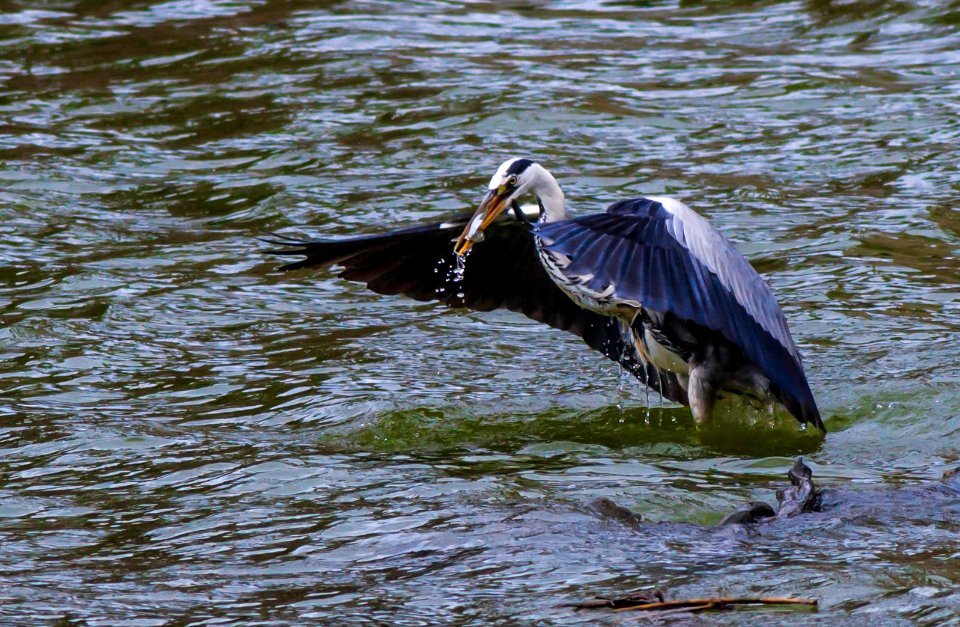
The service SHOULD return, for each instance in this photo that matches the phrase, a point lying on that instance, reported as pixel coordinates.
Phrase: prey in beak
(492, 205)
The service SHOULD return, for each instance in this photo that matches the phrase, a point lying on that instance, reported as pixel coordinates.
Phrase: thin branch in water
(688, 605)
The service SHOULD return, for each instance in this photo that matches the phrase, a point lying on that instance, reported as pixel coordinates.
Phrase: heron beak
(492, 205)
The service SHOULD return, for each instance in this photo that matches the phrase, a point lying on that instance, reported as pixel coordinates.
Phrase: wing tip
(811, 415)
(293, 248)
(806, 412)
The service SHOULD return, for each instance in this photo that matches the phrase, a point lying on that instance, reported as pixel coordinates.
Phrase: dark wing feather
(648, 263)
(502, 272)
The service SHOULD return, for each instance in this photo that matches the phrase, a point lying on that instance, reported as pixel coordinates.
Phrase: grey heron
(649, 283)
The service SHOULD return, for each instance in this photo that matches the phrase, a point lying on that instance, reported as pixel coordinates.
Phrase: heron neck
(550, 197)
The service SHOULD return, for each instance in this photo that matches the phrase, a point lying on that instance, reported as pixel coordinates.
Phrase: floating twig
(646, 604)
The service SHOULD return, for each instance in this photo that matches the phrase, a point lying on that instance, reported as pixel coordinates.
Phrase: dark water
(187, 436)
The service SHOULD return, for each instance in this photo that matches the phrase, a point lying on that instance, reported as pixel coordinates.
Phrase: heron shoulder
(682, 227)
(711, 248)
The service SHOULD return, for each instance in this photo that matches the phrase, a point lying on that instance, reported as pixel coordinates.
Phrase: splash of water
(453, 275)
(460, 267)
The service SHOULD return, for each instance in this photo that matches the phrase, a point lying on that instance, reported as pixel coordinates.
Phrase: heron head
(512, 179)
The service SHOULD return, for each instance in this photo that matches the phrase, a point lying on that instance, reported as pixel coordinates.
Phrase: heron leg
(701, 392)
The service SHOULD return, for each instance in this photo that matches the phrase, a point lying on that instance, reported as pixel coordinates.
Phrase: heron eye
(512, 181)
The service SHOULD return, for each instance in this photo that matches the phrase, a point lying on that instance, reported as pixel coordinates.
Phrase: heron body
(649, 283)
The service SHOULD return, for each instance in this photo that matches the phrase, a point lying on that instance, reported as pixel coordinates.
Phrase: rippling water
(188, 435)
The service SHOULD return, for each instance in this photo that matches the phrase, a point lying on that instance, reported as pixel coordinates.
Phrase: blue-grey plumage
(693, 305)
(650, 284)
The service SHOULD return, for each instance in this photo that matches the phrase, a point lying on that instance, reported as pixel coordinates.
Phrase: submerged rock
(608, 509)
(750, 513)
(800, 498)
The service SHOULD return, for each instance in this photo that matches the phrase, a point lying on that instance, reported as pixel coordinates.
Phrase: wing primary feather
(680, 264)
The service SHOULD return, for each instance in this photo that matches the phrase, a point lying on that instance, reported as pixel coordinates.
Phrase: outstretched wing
(658, 253)
(502, 272)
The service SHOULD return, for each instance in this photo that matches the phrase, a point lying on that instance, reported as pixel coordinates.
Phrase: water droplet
(454, 276)
(460, 267)
(620, 372)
